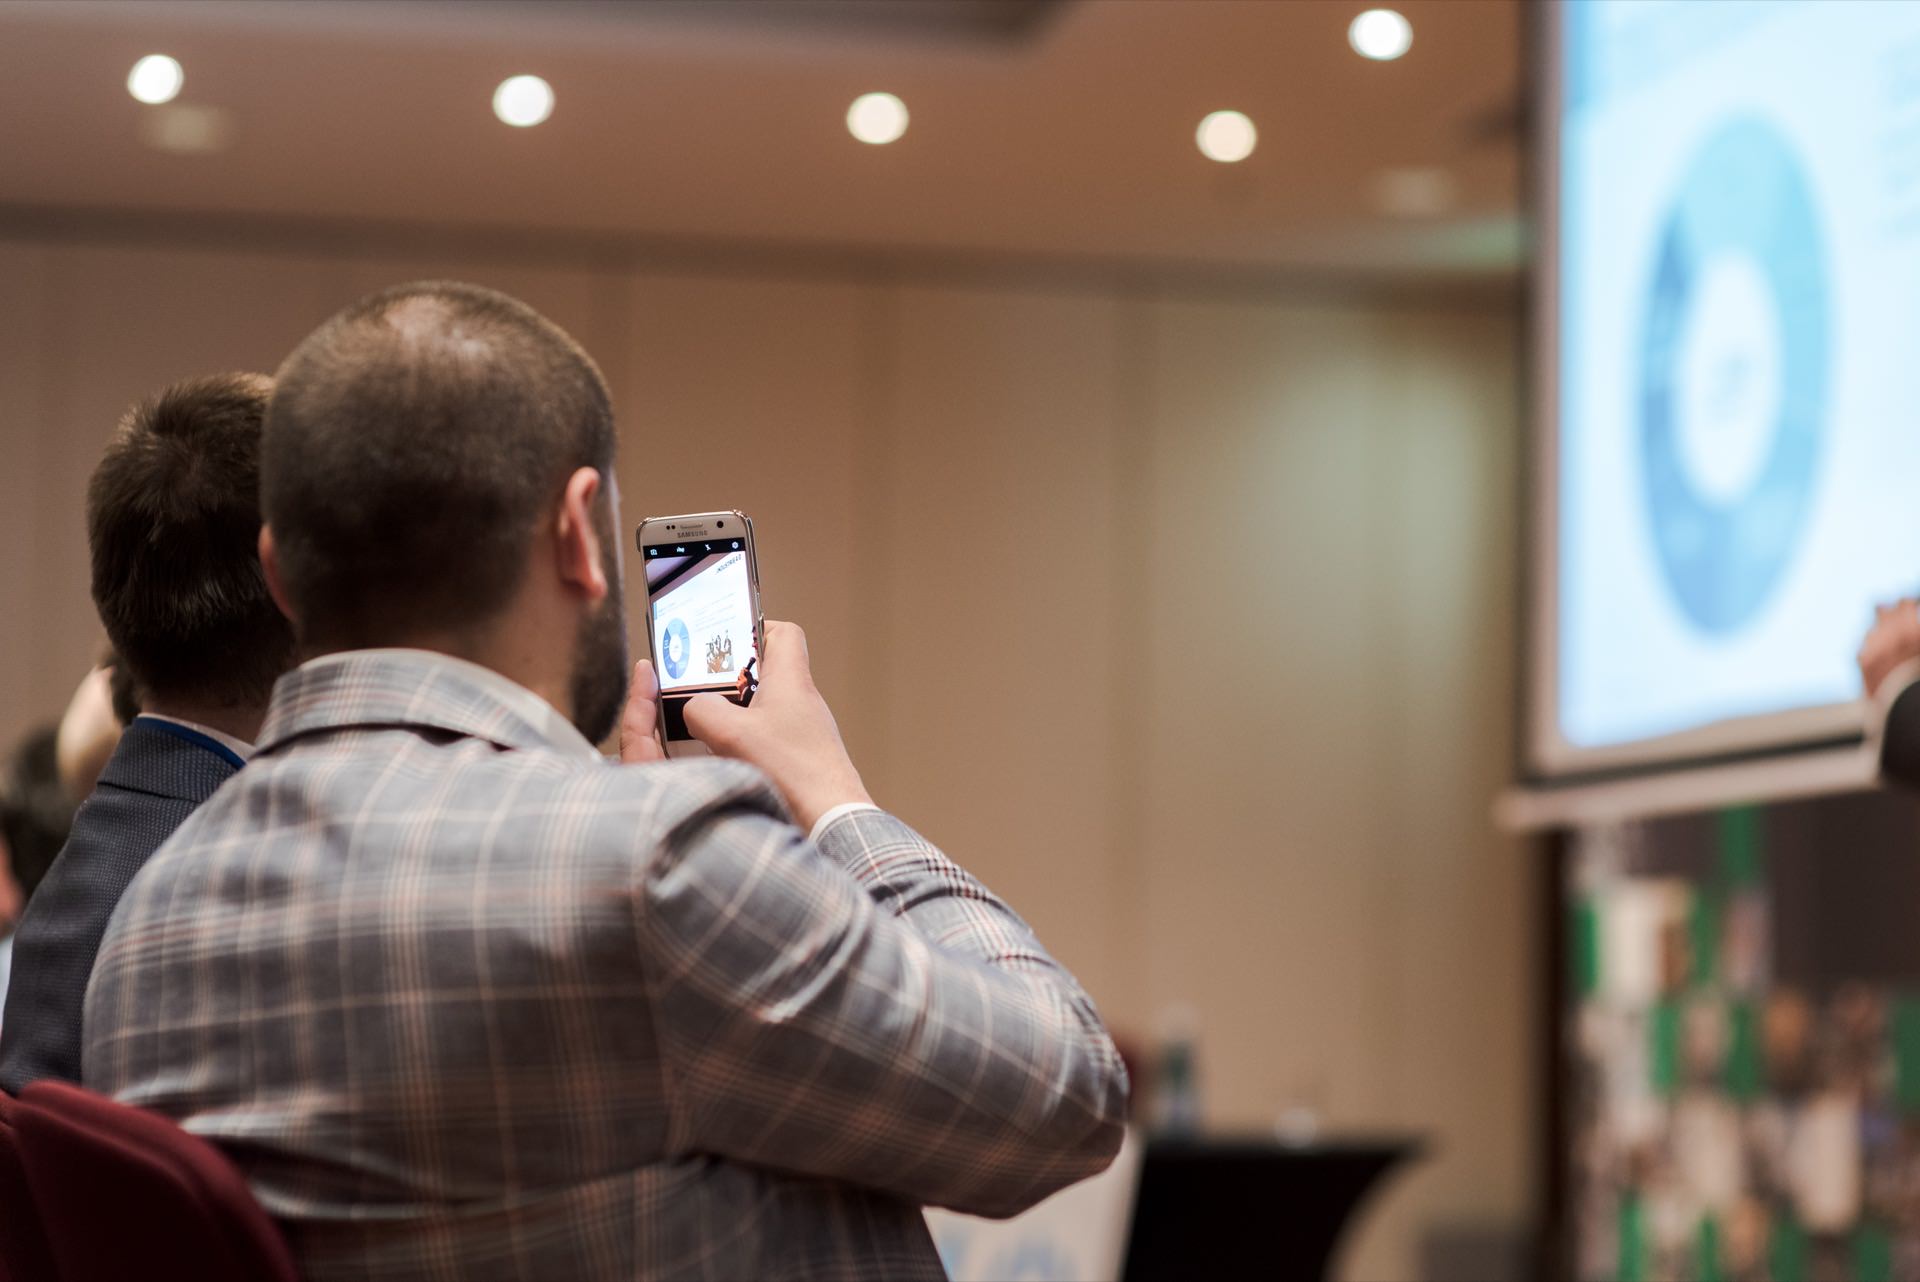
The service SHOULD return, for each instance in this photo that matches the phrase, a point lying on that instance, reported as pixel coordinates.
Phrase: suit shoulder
(1900, 738)
(115, 832)
(677, 791)
(533, 801)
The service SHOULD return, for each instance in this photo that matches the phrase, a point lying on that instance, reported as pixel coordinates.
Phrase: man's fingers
(786, 662)
(714, 720)
(640, 719)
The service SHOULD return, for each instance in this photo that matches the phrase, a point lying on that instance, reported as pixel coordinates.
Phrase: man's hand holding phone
(788, 731)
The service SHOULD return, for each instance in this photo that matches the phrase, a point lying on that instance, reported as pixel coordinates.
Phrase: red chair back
(176, 1208)
(24, 1253)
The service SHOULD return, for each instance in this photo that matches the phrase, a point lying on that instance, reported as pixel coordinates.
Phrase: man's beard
(600, 667)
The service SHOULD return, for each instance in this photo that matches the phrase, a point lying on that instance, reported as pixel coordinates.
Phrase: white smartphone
(703, 614)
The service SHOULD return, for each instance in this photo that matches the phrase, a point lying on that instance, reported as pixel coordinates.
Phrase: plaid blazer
(465, 1001)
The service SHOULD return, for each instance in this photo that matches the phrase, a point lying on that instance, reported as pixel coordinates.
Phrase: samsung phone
(703, 614)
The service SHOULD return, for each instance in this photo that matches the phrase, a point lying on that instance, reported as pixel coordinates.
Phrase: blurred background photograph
(1385, 534)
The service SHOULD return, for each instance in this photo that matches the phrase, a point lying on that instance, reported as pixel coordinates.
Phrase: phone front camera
(719, 525)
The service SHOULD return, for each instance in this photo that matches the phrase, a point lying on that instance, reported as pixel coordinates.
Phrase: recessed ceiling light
(877, 118)
(155, 79)
(1226, 136)
(523, 101)
(1380, 34)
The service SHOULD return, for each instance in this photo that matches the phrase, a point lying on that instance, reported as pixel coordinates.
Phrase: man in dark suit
(1890, 675)
(173, 525)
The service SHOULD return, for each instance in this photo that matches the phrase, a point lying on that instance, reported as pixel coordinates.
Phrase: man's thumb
(639, 721)
(715, 721)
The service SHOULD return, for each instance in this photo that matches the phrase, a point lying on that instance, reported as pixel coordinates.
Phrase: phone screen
(700, 598)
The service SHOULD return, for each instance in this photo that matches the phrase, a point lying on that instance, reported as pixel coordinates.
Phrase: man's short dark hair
(173, 522)
(35, 811)
(413, 443)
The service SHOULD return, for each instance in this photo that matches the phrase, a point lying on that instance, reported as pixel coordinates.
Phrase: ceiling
(1056, 129)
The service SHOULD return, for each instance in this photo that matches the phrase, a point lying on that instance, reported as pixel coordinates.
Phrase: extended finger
(786, 662)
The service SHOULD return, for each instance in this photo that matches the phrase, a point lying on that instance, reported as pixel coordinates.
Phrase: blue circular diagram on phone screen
(1733, 376)
(675, 649)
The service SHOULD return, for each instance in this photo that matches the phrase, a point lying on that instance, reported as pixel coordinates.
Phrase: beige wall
(1185, 622)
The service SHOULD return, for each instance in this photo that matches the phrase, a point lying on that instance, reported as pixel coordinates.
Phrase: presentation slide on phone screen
(702, 619)
(1737, 258)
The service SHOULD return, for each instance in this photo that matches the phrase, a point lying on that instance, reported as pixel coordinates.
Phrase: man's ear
(270, 567)
(577, 541)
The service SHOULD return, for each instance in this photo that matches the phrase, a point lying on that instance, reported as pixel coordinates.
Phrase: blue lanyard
(194, 737)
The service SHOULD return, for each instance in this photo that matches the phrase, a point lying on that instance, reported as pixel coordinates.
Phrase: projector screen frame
(1547, 758)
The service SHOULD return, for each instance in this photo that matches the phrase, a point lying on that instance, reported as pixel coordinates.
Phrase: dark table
(1250, 1208)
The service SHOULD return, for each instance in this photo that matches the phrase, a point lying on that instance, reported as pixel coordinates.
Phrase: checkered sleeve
(865, 1011)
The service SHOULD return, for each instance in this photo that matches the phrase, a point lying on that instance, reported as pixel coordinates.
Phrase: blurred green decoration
(1742, 860)
(1585, 942)
(1706, 1264)
(1787, 1250)
(1664, 1061)
(1744, 1075)
(1632, 1265)
(1872, 1254)
(1703, 934)
(1906, 1054)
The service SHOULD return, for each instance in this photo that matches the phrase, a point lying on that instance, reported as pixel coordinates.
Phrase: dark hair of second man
(413, 444)
(173, 523)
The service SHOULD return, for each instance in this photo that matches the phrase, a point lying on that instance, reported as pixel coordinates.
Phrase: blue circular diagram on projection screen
(1733, 377)
(676, 647)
